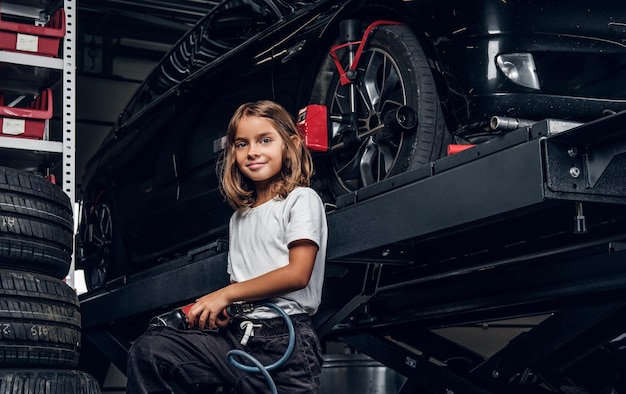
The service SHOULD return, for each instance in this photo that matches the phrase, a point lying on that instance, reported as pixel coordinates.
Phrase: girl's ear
(296, 140)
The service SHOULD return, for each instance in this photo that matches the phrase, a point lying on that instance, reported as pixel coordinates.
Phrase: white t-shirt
(258, 240)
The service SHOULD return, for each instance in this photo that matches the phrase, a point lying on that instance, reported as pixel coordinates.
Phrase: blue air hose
(257, 367)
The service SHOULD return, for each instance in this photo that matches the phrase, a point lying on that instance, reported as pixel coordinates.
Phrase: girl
(277, 253)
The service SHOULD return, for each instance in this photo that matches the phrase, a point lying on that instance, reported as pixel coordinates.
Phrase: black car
(387, 85)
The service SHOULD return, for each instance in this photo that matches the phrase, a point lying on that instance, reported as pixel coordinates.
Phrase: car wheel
(102, 251)
(36, 224)
(39, 381)
(393, 72)
(40, 322)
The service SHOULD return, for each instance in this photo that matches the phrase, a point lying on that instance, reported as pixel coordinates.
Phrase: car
(378, 87)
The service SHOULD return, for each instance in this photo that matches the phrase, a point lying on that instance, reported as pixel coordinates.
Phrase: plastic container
(40, 40)
(29, 120)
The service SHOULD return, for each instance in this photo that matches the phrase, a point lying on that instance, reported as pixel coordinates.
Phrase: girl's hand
(204, 313)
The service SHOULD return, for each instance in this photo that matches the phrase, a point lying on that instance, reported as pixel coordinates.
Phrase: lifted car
(395, 81)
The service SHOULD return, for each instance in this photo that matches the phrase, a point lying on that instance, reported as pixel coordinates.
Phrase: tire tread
(36, 224)
(40, 322)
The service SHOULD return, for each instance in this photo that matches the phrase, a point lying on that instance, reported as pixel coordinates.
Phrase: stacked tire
(40, 321)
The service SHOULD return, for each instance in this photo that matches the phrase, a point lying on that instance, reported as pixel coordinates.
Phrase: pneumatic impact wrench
(177, 318)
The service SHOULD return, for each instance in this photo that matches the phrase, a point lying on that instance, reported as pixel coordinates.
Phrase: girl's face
(259, 150)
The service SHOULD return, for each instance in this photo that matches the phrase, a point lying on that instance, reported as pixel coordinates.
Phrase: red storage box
(29, 121)
(40, 40)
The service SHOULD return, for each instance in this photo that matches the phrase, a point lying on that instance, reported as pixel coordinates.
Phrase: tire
(393, 71)
(36, 224)
(39, 381)
(102, 247)
(40, 322)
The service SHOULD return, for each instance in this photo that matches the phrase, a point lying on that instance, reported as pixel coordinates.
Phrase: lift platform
(530, 223)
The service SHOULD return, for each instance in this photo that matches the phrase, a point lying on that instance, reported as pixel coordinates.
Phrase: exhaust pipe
(504, 123)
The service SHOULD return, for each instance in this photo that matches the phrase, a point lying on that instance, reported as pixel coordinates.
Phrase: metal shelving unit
(29, 73)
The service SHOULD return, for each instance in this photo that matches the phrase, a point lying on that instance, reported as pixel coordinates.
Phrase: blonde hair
(297, 167)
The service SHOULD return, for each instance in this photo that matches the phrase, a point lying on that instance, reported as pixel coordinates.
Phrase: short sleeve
(305, 217)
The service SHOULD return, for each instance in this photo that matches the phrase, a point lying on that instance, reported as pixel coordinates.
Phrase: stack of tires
(40, 322)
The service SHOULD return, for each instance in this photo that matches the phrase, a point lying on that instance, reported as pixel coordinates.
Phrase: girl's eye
(239, 145)
(266, 140)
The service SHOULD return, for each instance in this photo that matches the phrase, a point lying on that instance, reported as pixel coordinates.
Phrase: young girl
(276, 254)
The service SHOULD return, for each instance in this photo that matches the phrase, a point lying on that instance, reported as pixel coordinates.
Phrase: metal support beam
(496, 291)
(434, 345)
(397, 216)
(340, 302)
(555, 343)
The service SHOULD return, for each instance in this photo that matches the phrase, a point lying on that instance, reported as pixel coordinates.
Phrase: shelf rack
(29, 73)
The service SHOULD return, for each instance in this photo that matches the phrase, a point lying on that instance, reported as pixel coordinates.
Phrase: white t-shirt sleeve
(304, 219)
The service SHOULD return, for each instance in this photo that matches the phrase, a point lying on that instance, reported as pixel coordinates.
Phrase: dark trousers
(196, 361)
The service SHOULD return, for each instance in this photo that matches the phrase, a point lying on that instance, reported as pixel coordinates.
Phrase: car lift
(529, 223)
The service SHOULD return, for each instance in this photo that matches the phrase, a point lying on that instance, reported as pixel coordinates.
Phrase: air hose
(257, 367)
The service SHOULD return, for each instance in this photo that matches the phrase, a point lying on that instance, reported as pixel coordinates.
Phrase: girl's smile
(255, 166)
